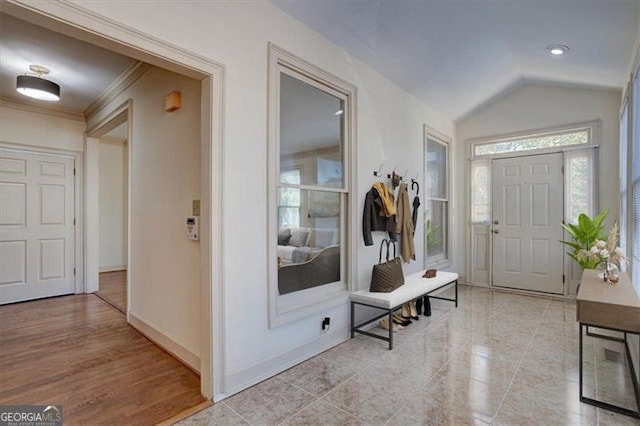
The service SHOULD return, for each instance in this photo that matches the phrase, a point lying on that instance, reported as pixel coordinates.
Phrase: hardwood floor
(113, 289)
(78, 351)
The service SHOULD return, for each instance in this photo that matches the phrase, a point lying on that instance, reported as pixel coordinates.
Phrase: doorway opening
(113, 210)
(522, 188)
(75, 22)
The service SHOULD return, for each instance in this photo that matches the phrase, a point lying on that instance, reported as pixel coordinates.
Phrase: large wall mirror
(310, 142)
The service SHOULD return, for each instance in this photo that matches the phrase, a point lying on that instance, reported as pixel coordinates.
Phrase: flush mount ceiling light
(34, 86)
(558, 49)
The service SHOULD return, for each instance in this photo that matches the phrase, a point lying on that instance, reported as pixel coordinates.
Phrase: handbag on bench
(386, 276)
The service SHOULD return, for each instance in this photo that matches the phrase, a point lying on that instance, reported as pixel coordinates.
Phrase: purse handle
(388, 243)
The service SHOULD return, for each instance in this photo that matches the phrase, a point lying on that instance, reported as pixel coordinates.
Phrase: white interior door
(36, 226)
(527, 212)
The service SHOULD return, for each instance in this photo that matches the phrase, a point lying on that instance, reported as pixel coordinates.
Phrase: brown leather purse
(386, 276)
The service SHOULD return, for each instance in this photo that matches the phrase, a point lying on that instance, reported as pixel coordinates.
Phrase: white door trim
(73, 19)
(78, 201)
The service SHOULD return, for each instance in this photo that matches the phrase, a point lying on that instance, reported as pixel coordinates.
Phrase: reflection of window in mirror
(289, 200)
(310, 144)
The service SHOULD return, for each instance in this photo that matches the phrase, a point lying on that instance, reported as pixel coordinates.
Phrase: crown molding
(54, 111)
(122, 83)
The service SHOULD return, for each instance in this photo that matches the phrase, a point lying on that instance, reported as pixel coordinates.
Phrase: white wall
(389, 130)
(41, 130)
(165, 177)
(538, 106)
(113, 214)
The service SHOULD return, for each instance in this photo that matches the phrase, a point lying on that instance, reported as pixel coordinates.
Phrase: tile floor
(499, 358)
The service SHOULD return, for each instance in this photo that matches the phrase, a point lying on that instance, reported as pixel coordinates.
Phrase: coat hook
(415, 182)
(377, 173)
(390, 175)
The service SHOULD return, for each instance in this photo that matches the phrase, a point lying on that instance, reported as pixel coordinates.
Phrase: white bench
(415, 286)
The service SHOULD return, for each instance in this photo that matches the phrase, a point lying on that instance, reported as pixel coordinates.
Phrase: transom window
(533, 142)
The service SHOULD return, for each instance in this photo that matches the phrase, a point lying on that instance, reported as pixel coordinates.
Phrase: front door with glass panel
(526, 214)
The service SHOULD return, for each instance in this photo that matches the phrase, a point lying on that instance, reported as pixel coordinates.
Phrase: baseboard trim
(248, 377)
(178, 351)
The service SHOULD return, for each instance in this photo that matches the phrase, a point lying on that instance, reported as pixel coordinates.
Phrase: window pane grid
(531, 143)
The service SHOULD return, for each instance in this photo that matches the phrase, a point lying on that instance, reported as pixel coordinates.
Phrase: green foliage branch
(585, 234)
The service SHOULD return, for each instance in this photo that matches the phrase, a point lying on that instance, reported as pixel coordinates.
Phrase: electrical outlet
(326, 322)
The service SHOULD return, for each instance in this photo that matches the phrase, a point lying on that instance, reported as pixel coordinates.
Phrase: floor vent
(613, 356)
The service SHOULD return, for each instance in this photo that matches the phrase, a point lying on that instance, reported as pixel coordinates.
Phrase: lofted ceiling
(82, 70)
(459, 55)
(454, 55)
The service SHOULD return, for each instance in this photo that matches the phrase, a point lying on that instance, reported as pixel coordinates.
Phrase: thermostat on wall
(192, 228)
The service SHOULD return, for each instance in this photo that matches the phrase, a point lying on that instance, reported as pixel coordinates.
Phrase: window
(289, 200)
(311, 128)
(436, 213)
(579, 184)
(624, 173)
(480, 191)
(634, 182)
(533, 142)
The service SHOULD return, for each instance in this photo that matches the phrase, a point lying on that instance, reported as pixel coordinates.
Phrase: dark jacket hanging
(372, 220)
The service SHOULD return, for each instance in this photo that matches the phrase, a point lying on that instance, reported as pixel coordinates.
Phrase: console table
(610, 307)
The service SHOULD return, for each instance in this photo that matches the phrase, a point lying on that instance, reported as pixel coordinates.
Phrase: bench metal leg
(390, 329)
(456, 287)
(353, 320)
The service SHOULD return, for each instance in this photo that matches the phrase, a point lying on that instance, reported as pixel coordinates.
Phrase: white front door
(36, 225)
(527, 211)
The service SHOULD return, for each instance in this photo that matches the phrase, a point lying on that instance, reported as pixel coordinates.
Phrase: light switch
(196, 208)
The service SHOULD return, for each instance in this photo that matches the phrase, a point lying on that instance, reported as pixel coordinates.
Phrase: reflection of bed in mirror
(323, 267)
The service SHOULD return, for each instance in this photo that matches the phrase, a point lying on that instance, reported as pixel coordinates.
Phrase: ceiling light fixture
(34, 86)
(558, 49)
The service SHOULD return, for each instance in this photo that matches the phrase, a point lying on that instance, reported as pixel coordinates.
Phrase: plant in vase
(606, 254)
(585, 234)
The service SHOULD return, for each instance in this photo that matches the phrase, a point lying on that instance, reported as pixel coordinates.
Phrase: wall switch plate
(195, 208)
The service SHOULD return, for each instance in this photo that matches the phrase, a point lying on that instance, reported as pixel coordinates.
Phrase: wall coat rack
(401, 178)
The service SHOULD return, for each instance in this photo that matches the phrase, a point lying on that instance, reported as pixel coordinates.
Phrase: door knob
(496, 231)
(495, 222)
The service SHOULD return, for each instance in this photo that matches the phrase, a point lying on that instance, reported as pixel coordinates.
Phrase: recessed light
(558, 49)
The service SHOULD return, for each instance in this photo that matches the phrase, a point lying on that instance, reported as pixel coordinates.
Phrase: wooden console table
(610, 307)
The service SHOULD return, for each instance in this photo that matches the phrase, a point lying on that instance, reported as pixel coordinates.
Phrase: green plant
(585, 234)
(432, 236)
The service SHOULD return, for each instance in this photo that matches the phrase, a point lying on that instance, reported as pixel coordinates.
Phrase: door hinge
(562, 278)
(74, 172)
(562, 169)
(74, 272)
(74, 221)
